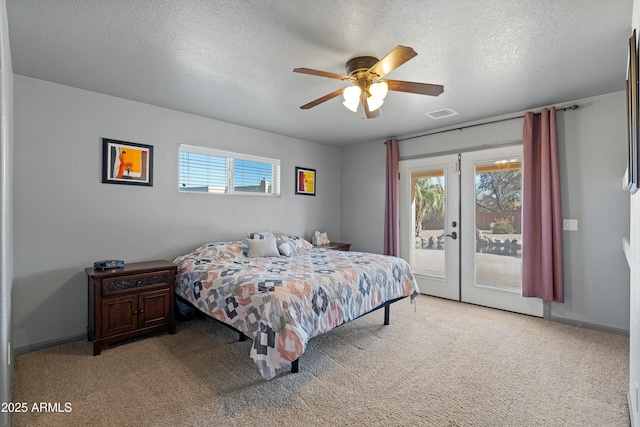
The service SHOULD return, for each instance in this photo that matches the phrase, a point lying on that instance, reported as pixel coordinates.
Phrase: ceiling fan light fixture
(353, 106)
(374, 103)
(379, 90)
(351, 94)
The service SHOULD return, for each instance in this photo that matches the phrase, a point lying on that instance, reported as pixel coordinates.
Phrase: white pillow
(262, 247)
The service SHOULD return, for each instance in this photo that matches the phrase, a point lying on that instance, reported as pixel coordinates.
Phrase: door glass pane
(427, 197)
(498, 217)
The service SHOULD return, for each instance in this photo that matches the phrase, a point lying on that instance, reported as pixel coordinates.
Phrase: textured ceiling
(233, 60)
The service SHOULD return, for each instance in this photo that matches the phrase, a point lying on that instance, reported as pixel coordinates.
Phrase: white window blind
(206, 170)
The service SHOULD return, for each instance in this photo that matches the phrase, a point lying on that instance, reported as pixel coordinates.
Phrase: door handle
(453, 235)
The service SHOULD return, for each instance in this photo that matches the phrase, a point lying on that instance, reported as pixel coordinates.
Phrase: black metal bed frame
(295, 364)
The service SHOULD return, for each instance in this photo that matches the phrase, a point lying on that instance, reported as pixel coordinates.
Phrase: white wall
(592, 154)
(6, 211)
(65, 218)
(362, 197)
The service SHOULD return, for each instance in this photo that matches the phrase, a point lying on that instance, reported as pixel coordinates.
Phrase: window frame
(231, 157)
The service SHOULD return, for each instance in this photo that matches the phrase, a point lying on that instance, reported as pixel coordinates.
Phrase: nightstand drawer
(123, 284)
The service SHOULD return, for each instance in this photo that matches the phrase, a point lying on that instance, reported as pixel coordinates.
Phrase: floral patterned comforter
(282, 302)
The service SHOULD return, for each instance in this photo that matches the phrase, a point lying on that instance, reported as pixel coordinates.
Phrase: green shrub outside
(503, 226)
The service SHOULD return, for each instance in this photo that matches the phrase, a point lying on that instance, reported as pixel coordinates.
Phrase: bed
(281, 298)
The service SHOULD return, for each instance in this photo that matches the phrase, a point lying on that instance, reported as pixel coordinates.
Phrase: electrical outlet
(570, 224)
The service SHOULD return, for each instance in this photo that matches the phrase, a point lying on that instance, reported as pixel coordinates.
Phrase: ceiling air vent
(441, 114)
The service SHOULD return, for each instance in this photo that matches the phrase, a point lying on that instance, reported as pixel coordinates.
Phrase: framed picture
(305, 181)
(126, 163)
(632, 181)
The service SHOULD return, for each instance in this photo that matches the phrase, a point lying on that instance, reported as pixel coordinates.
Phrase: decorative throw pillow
(262, 247)
(299, 242)
(285, 246)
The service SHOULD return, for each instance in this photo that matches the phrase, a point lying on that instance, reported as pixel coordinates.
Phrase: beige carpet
(441, 363)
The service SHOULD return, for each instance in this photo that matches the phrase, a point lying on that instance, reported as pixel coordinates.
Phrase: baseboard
(587, 325)
(39, 346)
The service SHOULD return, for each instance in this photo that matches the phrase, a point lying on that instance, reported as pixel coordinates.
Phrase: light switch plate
(570, 224)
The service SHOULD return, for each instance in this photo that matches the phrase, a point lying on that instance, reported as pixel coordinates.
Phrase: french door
(429, 218)
(461, 227)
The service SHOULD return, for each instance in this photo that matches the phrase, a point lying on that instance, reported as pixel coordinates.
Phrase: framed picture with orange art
(305, 181)
(126, 163)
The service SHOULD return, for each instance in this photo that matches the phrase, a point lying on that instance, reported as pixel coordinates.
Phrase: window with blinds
(205, 170)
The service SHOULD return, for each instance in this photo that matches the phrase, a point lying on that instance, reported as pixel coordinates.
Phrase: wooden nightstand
(337, 246)
(133, 300)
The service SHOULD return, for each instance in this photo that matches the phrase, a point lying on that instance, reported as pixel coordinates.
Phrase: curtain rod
(572, 107)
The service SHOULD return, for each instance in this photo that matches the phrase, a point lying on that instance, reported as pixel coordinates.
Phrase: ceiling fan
(366, 72)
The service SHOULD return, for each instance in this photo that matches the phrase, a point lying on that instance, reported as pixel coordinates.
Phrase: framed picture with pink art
(126, 163)
(305, 181)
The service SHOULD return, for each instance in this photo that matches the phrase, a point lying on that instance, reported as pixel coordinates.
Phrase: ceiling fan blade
(370, 114)
(413, 87)
(398, 56)
(321, 73)
(322, 99)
